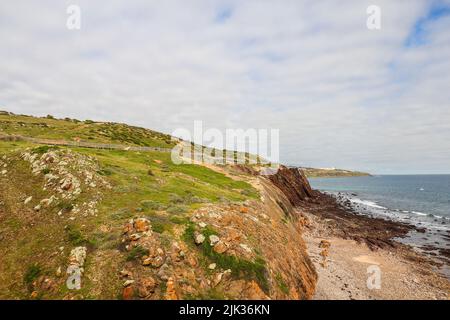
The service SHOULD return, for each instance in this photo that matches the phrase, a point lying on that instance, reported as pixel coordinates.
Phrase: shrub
(178, 220)
(32, 273)
(75, 236)
(252, 270)
(152, 205)
(43, 149)
(174, 198)
(281, 284)
(136, 253)
(105, 172)
(65, 206)
(176, 209)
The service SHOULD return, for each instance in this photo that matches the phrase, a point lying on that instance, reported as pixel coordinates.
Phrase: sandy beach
(346, 249)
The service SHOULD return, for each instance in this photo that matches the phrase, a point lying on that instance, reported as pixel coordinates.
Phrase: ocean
(421, 200)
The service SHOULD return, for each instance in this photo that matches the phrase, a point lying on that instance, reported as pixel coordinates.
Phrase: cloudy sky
(340, 94)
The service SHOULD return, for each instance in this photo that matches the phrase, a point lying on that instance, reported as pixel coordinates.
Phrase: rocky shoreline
(342, 243)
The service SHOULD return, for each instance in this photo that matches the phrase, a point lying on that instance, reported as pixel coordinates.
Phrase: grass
(136, 253)
(32, 273)
(151, 205)
(250, 270)
(160, 224)
(65, 206)
(180, 189)
(71, 129)
(281, 284)
(178, 209)
(75, 236)
(43, 149)
(175, 189)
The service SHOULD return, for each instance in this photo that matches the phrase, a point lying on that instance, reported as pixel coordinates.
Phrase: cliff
(293, 183)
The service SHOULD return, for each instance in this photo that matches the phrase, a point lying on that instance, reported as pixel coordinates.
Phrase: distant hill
(332, 172)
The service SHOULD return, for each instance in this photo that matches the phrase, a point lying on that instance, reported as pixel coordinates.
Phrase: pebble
(212, 266)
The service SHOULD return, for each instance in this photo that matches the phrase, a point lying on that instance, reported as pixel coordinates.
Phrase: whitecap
(367, 203)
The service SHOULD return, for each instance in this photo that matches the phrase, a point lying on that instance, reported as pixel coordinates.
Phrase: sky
(340, 94)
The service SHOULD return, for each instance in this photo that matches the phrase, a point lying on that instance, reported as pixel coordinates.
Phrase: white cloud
(340, 94)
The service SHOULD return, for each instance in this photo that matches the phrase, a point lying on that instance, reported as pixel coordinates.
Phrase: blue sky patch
(224, 14)
(418, 35)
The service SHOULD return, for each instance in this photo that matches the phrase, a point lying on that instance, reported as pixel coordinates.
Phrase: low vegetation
(251, 270)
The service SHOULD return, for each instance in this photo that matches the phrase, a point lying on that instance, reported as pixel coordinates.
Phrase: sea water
(421, 200)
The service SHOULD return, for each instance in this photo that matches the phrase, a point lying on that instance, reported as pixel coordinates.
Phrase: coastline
(343, 244)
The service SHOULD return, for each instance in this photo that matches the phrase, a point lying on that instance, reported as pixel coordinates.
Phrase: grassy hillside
(71, 129)
(139, 185)
(133, 221)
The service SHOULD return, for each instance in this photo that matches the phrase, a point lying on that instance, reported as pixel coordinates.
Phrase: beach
(343, 245)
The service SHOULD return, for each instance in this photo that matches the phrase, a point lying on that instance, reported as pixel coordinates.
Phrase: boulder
(146, 287)
(141, 225)
(220, 247)
(213, 239)
(128, 283)
(212, 266)
(199, 238)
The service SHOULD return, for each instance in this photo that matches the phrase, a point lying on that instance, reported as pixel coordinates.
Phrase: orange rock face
(128, 293)
(244, 210)
(141, 225)
(171, 293)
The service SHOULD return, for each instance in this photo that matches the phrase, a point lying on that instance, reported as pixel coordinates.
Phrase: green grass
(160, 224)
(250, 270)
(282, 284)
(165, 196)
(75, 236)
(32, 273)
(68, 129)
(44, 149)
(181, 189)
(65, 206)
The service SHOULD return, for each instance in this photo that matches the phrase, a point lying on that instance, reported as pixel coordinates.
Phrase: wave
(367, 203)
(391, 212)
